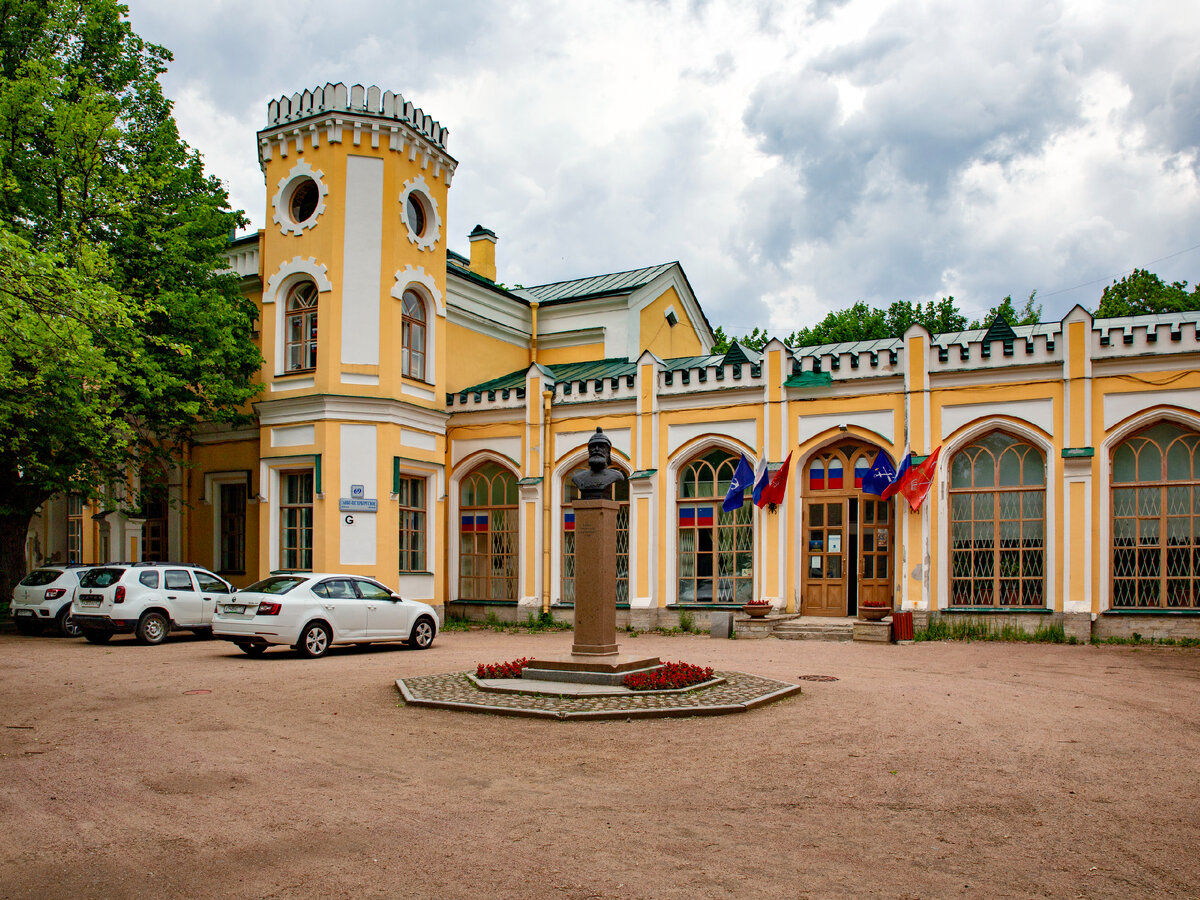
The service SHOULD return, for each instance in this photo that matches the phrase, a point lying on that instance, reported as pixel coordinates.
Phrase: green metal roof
(597, 285)
(615, 367)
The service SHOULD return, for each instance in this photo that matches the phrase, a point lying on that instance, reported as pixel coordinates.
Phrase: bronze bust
(593, 482)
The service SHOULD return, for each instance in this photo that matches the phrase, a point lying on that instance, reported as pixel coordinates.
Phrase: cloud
(795, 158)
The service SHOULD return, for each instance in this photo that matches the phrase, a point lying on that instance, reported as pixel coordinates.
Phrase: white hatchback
(44, 598)
(314, 611)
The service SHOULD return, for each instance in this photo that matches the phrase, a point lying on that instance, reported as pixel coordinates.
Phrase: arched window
(300, 345)
(1155, 513)
(488, 535)
(715, 549)
(618, 491)
(412, 335)
(998, 523)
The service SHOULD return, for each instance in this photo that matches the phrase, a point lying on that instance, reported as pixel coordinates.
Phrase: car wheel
(253, 649)
(28, 626)
(153, 628)
(97, 637)
(66, 624)
(314, 640)
(422, 633)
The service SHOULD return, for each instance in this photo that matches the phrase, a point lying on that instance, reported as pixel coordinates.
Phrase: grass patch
(544, 621)
(456, 623)
(943, 628)
(1136, 639)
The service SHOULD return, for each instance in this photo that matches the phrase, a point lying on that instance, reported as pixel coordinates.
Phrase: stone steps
(796, 631)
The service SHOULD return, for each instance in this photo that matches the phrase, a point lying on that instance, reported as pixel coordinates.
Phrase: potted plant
(874, 610)
(758, 608)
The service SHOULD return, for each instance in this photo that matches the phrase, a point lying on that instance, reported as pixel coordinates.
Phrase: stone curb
(756, 691)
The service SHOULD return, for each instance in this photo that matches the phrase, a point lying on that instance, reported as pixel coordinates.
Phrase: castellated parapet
(367, 113)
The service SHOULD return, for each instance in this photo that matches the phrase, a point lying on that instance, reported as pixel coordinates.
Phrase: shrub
(668, 676)
(686, 621)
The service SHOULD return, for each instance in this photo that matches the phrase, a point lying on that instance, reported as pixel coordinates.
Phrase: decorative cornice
(319, 407)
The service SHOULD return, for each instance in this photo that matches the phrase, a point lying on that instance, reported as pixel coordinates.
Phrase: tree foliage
(1144, 292)
(860, 323)
(120, 327)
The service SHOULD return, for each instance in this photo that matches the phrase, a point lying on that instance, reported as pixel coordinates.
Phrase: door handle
(327, 605)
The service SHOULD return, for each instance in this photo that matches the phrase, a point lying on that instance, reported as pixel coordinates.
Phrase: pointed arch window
(412, 335)
(300, 329)
(714, 548)
(998, 523)
(488, 534)
(1156, 519)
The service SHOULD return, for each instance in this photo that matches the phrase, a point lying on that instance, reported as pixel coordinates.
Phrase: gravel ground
(930, 770)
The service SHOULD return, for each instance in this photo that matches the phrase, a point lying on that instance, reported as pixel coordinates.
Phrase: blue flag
(743, 477)
(879, 476)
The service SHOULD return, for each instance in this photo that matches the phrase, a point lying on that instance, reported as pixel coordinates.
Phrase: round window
(304, 200)
(416, 214)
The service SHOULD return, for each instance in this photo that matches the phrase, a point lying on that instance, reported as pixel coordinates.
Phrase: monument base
(579, 669)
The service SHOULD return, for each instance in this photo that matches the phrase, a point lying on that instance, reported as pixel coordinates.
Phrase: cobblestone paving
(739, 692)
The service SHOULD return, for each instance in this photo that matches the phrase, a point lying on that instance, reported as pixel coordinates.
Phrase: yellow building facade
(420, 422)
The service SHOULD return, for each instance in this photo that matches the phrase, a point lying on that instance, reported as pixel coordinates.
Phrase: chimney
(483, 252)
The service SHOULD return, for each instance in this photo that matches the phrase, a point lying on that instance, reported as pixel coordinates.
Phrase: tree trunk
(13, 529)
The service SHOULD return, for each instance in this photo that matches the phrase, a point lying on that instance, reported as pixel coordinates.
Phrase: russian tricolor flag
(861, 468)
(816, 476)
(475, 523)
(569, 521)
(835, 476)
(695, 516)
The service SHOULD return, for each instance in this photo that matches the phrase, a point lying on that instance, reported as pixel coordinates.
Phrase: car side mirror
(397, 597)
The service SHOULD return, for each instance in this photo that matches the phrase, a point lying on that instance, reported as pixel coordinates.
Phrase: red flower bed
(502, 670)
(672, 675)
(875, 604)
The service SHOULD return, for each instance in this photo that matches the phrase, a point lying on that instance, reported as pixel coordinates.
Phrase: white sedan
(312, 612)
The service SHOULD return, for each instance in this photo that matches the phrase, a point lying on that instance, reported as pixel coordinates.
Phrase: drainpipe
(533, 306)
(547, 396)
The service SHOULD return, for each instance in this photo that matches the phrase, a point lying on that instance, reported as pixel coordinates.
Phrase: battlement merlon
(366, 113)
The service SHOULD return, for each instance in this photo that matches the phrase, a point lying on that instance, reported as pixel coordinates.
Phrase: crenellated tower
(353, 263)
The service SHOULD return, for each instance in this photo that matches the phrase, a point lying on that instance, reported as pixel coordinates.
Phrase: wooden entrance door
(876, 536)
(825, 540)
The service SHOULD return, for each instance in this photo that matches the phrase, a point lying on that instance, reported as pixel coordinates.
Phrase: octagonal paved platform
(729, 692)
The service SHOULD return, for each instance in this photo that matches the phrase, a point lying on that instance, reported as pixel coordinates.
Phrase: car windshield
(276, 584)
(38, 577)
(101, 578)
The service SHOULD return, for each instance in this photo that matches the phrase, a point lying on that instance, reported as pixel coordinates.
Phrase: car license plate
(89, 603)
(24, 612)
(233, 608)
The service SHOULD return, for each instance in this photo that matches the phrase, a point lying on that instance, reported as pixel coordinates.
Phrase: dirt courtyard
(930, 770)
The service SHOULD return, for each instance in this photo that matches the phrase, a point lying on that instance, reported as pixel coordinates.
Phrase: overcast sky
(794, 157)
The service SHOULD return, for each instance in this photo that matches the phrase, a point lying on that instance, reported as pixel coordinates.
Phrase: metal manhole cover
(817, 677)
(200, 691)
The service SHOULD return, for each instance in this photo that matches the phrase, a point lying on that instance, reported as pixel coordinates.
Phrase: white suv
(148, 599)
(44, 597)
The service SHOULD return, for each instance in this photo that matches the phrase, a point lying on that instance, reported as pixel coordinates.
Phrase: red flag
(920, 480)
(772, 494)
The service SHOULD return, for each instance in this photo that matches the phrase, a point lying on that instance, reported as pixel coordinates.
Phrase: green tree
(1144, 292)
(120, 327)
(1030, 314)
(861, 323)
